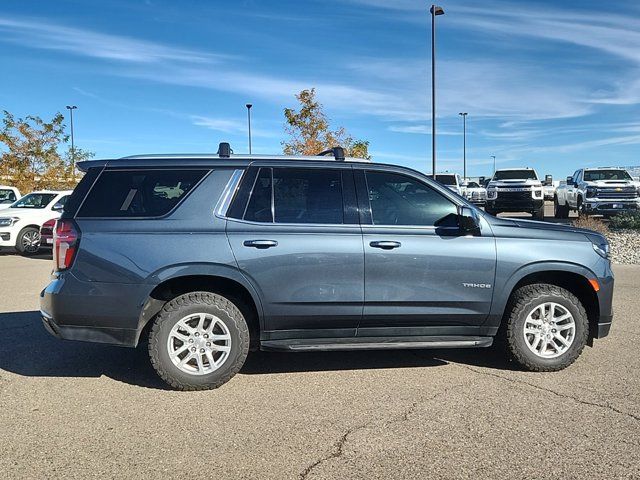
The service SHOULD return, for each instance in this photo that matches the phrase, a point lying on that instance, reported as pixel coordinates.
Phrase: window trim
(364, 194)
(137, 169)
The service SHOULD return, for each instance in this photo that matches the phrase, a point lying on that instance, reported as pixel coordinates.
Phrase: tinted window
(446, 179)
(35, 200)
(259, 206)
(595, 175)
(400, 200)
(299, 195)
(515, 175)
(138, 193)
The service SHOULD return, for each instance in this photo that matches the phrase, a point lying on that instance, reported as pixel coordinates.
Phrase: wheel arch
(571, 277)
(222, 280)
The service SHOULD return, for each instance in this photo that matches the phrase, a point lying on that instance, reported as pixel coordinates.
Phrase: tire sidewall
(239, 344)
(518, 343)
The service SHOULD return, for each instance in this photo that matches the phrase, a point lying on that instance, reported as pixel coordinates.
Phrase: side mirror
(58, 207)
(468, 221)
(569, 180)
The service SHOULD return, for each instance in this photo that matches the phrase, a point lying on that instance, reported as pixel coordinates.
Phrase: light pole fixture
(464, 144)
(494, 164)
(435, 11)
(248, 105)
(71, 108)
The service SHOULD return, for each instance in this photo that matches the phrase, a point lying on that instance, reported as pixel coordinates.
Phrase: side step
(373, 343)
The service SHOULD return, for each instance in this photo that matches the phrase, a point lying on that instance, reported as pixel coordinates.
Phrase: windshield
(515, 175)
(473, 185)
(35, 200)
(595, 175)
(7, 196)
(446, 179)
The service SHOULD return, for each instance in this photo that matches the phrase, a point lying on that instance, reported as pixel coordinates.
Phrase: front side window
(400, 200)
(35, 200)
(138, 193)
(7, 196)
(296, 195)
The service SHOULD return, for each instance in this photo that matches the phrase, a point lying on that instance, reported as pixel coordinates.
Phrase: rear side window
(138, 193)
(296, 195)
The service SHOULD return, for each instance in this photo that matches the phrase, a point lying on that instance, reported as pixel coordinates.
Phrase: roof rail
(224, 150)
(337, 152)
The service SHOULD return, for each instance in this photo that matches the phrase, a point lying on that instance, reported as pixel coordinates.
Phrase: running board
(373, 343)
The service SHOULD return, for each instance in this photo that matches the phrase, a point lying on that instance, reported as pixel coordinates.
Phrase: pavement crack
(605, 406)
(338, 446)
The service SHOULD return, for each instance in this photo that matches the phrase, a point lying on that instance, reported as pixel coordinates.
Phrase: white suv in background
(8, 195)
(20, 223)
(452, 181)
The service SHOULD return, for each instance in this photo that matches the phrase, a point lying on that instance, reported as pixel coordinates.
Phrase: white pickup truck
(8, 195)
(597, 191)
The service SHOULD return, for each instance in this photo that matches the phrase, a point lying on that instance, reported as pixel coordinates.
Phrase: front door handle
(260, 243)
(385, 244)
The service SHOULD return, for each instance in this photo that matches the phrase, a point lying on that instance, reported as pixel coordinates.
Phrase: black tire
(24, 241)
(192, 304)
(539, 213)
(557, 208)
(524, 300)
(581, 212)
(490, 211)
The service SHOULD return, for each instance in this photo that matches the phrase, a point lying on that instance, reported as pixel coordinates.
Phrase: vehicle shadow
(27, 349)
(41, 255)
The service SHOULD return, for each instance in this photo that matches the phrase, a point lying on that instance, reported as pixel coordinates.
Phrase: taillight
(48, 226)
(66, 239)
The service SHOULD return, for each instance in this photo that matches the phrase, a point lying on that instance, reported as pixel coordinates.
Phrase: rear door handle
(385, 244)
(260, 243)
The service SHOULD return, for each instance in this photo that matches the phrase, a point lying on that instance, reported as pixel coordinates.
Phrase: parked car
(475, 193)
(452, 181)
(8, 195)
(606, 191)
(46, 233)
(20, 223)
(515, 190)
(266, 252)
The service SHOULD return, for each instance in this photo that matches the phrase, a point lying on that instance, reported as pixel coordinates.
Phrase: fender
(501, 295)
(150, 306)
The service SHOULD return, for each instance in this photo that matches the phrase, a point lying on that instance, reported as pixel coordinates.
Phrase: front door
(422, 277)
(298, 240)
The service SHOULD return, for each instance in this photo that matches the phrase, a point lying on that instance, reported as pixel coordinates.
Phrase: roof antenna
(224, 150)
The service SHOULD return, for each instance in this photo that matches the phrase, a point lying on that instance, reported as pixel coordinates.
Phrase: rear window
(138, 193)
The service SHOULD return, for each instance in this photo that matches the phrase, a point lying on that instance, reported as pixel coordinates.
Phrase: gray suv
(205, 257)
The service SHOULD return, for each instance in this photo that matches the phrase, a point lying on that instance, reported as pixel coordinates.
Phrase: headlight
(592, 192)
(602, 249)
(8, 221)
(493, 193)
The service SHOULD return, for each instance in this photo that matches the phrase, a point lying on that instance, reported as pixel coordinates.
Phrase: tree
(31, 158)
(309, 132)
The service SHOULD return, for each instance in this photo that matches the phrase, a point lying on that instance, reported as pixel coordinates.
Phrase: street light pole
(494, 164)
(435, 11)
(464, 144)
(249, 123)
(71, 108)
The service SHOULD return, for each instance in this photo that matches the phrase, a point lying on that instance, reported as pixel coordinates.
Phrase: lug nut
(191, 340)
(193, 349)
(206, 336)
(202, 350)
(197, 334)
(208, 344)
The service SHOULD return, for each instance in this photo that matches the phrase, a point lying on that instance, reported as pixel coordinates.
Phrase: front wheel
(547, 328)
(28, 241)
(198, 341)
(538, 214)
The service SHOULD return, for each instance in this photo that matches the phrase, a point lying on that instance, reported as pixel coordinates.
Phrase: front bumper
(514, 205)
(6, 239)
(610, 206)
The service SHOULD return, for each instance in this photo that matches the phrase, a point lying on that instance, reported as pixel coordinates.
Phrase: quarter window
(400, 200)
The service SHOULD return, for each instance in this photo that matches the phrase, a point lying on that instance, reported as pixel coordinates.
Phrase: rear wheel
(198, 341)
(547, 328)
(28, 241)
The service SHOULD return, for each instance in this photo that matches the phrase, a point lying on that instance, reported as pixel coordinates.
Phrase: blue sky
(553, 85)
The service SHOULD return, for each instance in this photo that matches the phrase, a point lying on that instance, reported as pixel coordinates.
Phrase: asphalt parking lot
(75, 410)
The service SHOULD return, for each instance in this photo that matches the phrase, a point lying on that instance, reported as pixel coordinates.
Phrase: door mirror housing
(58, 207)
(569, 180)
(468, 220)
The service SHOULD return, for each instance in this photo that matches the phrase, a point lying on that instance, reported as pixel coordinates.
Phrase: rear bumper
(92, 311)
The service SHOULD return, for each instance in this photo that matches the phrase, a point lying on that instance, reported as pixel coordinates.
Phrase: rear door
(296, 236)
(422, 277)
